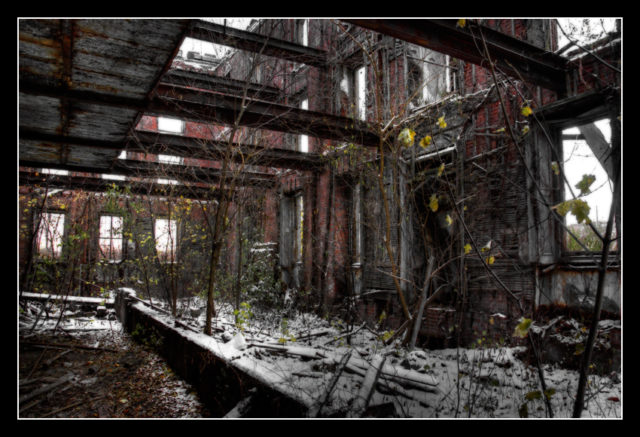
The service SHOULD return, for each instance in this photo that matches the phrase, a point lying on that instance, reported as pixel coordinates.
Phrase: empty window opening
(50, 233)
(304, 139)
(166, 233)
(171, 159)
(582, 166)
(361, 92)
(167, 181)
(303, 35)
(299, 228)
(55, 172)
(113, 177)
(111, 237)
(170, 125)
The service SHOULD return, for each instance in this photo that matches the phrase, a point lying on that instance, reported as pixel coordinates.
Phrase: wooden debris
(368, 385)
(305, 352)
(314, 411)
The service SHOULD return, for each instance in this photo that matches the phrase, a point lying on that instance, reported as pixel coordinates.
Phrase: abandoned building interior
(408, 175)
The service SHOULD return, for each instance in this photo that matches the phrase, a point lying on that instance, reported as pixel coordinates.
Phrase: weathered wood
(368, 385)
(599, 146)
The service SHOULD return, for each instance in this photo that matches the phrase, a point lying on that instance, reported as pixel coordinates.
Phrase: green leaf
(522, 329)
(578, 207)
(549, 392)
(585, 183)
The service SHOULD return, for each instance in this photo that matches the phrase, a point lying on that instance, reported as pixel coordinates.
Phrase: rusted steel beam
(225, 85)
(188, 147)
(221, 108)
(199, 106)
(95, 183)
(254, 42)
(511, 55)
(133, 168)
(576, 110)
(153, 142)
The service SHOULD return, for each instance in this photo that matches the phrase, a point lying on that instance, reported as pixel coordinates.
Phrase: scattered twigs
(46, 388)
(73, 405)
(314, 411)
(347, 334)
(35, 366)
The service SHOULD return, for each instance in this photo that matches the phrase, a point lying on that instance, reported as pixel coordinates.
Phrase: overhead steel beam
(255, 42)
(221, 108)
(511, 55)
(153, 142)
(210, 82)
(576, 110)
(188, 104)
(180, 173)
(98, 184)
(189, 147)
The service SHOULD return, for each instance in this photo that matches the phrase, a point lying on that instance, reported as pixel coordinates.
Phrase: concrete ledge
(220, 381)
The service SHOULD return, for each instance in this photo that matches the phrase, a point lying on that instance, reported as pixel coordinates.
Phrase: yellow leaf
(406, 137)
(440, 169)
(425, 141)
(491, 320)
(433, 203)
(442, 123)
(491, 260)
(555, 167)
(499, 131)
(461, 23)
(467, 248)
(525, 130)
(449, 220)
(526, 111)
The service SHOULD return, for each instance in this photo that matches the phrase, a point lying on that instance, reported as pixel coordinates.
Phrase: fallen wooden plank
(368, 385)
(305, 352)
(420, 380)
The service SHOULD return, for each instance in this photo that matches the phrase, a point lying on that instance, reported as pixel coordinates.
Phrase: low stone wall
(220, 384)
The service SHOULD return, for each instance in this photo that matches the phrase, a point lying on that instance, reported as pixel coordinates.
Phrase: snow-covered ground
(300, 353)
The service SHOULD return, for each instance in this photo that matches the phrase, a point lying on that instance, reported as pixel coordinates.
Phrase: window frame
(167, 259)
(111, 238)
(57, 249)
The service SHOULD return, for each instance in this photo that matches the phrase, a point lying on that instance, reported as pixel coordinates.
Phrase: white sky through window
(580, 160)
